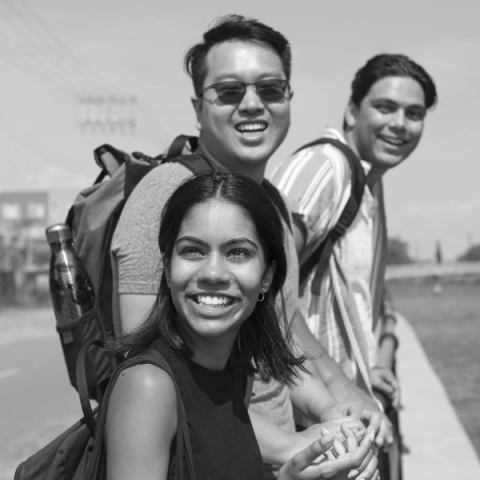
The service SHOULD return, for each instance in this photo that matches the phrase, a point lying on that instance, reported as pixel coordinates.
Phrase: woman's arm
(141, 424)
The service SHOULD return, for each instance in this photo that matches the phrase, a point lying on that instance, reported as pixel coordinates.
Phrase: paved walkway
(439, 445)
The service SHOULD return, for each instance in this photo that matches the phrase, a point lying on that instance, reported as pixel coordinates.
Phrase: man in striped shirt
(383, 125)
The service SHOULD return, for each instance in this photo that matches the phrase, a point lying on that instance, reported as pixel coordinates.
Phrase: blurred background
(78, 74)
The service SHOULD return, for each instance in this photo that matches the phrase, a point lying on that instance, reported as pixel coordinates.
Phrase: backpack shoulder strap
(178, 145)
(195, 162)
(277, 200)
(321, 254)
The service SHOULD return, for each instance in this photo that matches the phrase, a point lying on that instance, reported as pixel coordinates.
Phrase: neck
(211, 352)
(256, 172)
(210, 355)
(375, 174)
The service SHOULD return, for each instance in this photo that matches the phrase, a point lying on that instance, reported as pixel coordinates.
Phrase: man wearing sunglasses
(240, 74)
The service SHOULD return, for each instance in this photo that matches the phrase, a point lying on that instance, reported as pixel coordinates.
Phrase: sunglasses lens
(271, 90)
(230, 93)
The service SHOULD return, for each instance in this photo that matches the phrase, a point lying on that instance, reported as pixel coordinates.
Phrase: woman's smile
(213, 301)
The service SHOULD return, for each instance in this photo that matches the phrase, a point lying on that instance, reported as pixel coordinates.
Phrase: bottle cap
(58, 233)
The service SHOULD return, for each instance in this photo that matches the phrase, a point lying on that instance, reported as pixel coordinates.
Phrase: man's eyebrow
(394, 102)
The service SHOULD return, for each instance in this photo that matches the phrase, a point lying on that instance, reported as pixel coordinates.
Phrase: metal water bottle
(72, 294)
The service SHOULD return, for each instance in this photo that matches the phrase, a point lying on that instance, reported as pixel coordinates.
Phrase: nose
(214, 270)
(251, 102)
(398, 119)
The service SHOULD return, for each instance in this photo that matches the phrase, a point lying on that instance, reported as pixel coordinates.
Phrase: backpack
(79, 452)
(320, 256)
(93, 218)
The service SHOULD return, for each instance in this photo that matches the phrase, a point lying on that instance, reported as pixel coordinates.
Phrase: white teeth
(251, 127)
(212, 300)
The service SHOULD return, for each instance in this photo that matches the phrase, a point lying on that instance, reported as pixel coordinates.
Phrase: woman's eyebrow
(241, 240)
(233, 241)
(188, 238)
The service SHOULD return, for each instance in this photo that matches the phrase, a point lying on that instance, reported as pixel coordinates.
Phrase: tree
(397, 252)
(471, 255)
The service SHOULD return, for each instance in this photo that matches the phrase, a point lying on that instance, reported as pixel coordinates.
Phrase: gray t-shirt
(137, 268)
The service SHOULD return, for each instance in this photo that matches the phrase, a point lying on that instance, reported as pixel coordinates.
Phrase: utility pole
(113, 113)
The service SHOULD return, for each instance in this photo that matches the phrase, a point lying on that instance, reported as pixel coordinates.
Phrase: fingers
(382, 426)
(396, 398)
(338, 448)
(383, 379)
(351, 439)
(333, 426)
(373, 419)
(335, 458)
(357, 459)
(367, 469)
(307, 456)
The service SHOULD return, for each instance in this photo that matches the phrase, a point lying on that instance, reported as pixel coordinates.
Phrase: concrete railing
(425, 270)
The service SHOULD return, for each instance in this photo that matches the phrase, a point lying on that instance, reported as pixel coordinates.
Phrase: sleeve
(316, 182)
(136, 258)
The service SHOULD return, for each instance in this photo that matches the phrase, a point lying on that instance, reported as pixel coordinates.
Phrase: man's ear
(351, 113)
(268, 276)
(197, 106)
(166, 269)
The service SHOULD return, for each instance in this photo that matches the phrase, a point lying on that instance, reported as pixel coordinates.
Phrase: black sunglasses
(232, 92)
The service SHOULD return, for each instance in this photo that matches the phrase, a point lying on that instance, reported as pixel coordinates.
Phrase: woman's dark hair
(262, 336)
(391, 65)
(231, 28)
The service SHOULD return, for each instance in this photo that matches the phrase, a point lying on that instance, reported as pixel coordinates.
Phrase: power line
(65, 55)
(24, 58)
(24, 43)
(34, 50)
(117, 104)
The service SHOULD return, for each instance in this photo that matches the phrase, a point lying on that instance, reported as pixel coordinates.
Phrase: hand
(371, 416)
(327, 458)
(384, 380)
(342, 409)
(313, 432)
(379, 422)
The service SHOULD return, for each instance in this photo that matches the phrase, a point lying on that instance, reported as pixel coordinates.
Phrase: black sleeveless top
(224, 445)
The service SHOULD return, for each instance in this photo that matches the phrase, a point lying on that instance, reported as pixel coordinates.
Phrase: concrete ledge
(439, 445)
(426, 270)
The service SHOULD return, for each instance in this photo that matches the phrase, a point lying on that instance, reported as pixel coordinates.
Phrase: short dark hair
(231, 28)
(391, 65)
(262, 336)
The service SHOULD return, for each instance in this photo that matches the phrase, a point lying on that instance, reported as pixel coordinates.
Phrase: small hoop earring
(261, 297)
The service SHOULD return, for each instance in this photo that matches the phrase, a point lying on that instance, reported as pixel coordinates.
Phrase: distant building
(25, 215)
(24, 251)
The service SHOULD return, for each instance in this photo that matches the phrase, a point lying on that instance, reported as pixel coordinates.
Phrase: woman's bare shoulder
(141, 423)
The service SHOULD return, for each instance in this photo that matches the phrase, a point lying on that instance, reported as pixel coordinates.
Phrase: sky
(54, 52)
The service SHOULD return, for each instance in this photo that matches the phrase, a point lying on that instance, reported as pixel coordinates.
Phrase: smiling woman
(215, 323)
